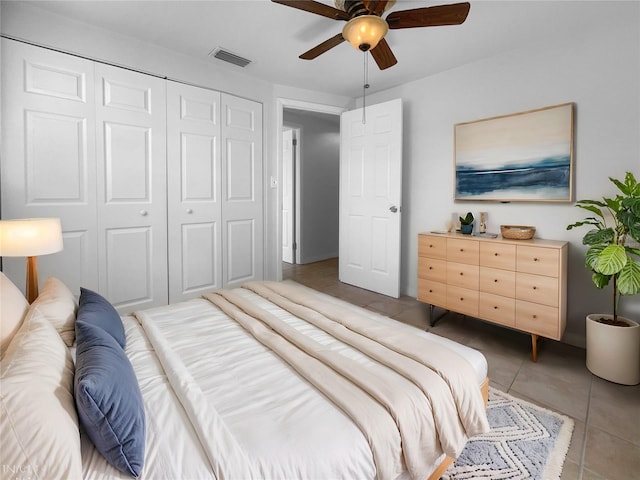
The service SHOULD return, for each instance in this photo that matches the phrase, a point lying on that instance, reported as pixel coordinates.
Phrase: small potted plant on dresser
(466, 223)
(613, 341)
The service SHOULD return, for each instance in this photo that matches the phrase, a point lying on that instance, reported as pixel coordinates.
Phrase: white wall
(597, 70)
(319, 183)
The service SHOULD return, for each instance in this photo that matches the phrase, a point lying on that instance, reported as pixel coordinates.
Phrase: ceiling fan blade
(323, 47)
(454, 14)
(383, 55)
(376, 7)
(315, 7)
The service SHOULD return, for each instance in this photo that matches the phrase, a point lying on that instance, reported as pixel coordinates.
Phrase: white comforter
(221, 405)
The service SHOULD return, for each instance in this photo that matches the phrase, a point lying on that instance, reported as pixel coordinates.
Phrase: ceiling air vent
(227, 56)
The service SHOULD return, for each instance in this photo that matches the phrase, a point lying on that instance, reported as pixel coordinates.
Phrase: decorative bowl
(517, 232)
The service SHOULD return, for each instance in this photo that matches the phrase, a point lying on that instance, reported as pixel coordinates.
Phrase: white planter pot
(613, 353)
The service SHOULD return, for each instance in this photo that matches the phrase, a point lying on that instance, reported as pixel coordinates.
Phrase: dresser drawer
(463, 251)
(497, 308)
(498, 255)
(462, 300)
(432, 269)
(498, 282)
(538, 260)
(432, 246)
(539, 319)
(537, 289)
(462, 275)
(434, 293)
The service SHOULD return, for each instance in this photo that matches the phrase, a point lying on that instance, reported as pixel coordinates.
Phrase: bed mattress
(257, 408)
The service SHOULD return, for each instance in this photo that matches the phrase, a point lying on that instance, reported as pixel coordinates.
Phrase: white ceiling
(273, 35)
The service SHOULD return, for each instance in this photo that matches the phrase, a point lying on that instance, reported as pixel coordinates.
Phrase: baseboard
(318, 258)
(574, 339)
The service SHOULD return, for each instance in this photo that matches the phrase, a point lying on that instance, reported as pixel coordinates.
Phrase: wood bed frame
(446, 463)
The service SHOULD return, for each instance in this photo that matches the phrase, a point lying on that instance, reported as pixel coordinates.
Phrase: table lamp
(30, 237)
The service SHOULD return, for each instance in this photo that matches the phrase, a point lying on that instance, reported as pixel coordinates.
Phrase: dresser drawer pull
(495, 254)
(535, 316)
(430, 268)
(495, 307)
(462, 299)
(495, 280)
(430, 291)
(536, 259)
(461, 274)
(535, 288)
(462, 249)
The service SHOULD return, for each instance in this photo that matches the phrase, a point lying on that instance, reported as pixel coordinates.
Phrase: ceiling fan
(365, 28)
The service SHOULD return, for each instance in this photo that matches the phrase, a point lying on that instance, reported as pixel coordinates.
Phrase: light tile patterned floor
(606, 438)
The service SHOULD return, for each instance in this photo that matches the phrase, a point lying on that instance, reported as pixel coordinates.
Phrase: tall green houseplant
(610, 256)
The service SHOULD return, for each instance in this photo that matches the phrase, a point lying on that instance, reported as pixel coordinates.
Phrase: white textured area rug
(525, 442)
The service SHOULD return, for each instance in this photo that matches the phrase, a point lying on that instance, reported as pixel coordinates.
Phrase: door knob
(393, 209)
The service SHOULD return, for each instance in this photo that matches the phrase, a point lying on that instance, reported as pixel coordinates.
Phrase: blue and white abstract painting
(522, 157)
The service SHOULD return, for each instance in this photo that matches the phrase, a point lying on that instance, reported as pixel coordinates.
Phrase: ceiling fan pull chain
(365, 86)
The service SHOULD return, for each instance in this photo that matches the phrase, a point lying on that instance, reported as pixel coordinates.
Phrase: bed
(271, 380)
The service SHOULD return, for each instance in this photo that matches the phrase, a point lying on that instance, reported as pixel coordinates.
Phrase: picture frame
(524, 157)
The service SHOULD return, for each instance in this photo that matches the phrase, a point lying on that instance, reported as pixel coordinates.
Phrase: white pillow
(38, 423)
(57, 303)
(13, 307)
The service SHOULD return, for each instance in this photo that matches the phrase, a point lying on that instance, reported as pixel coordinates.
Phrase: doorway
(369, 241)
(310, 185)
(290, 198)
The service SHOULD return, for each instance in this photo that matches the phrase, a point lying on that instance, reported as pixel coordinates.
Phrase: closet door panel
(131, 177)
(241, 251)
(194, 208)
(242, 191)
(200, 259)
(63, 138)
(48, 168)
(127, 164)
(129, 249)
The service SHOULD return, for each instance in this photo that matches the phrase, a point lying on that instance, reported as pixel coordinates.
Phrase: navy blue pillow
(108, 399)
(93, 308)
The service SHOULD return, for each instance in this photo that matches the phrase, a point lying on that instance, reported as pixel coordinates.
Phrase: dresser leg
(433, 320)
(534, 347)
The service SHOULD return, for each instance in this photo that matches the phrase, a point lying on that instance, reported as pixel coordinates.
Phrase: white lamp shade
(364, 32)
(30, 237)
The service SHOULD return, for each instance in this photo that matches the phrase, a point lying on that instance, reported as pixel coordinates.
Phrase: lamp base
(32, 279)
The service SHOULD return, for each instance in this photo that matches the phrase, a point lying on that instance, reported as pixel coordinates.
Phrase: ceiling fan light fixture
(365, 31)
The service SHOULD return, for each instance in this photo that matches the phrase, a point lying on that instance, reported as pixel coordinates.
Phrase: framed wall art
(526, 156)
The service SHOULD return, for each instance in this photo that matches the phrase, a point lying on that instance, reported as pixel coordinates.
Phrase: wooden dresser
(521, 284)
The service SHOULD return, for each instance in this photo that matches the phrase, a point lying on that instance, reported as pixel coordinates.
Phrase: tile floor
(606, 437)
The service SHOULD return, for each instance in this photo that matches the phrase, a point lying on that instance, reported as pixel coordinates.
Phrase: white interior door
(370, 197)
(48, 145)
(193, 182)
(132, 202)
(288, 199)
(242, 191)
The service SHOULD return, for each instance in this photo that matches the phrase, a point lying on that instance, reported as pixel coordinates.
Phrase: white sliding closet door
(131, 176)
(48, 167)
(194, 184)
(242, 191)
